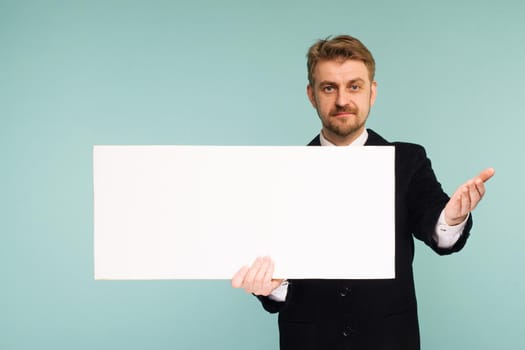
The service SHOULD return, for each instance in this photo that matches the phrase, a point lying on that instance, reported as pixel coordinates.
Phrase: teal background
(78, 73)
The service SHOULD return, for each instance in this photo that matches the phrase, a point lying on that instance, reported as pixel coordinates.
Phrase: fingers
(474, 189)
(251, 282)
(465, 200)
(467, 197)
(257, 279)
(267, 288)
(238, 278)
(258, 283)
(486, 174)
(475, 192)
(274, 283)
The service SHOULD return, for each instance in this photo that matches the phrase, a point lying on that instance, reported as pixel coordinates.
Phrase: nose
(343, 98)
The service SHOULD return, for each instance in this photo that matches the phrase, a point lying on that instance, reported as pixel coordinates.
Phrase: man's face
(342, 95)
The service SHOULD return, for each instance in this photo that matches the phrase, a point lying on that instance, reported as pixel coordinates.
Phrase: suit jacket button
(348, 331)
(345, 291)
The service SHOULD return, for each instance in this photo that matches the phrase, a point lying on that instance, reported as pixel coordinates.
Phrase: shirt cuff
(445, 235)
(279, 293)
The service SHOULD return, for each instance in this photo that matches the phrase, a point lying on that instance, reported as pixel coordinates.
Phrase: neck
(339, 140)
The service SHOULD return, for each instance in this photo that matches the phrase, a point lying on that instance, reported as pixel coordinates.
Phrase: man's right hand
(257, 279)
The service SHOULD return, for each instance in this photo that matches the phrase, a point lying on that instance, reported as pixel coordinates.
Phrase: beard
(344, 127)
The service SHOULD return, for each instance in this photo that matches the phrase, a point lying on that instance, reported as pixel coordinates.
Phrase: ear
(373, 93)
(310, 94)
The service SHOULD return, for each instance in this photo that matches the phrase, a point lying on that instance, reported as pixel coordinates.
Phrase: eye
(354, 87)
(328, 88)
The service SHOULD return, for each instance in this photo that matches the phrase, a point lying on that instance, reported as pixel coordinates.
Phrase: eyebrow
(357, 80)
(353, 81)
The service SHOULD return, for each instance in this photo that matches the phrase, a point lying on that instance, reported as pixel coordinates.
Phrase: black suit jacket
(371, 314)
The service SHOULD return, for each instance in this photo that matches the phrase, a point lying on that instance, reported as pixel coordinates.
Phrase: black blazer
(371, 314)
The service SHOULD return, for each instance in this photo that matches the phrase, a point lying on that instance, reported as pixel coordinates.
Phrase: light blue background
(78, 73)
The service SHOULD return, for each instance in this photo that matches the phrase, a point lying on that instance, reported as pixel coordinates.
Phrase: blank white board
(201, 212)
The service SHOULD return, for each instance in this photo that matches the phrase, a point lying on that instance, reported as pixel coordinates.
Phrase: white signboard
(202, 212)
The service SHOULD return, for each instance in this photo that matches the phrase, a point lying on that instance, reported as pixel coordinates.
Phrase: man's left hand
(466, 198)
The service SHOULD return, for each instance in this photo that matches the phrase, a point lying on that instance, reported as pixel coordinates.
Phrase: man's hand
(466, 197)
(257, 279)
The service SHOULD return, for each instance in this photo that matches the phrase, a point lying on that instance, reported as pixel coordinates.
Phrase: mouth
(343, 114)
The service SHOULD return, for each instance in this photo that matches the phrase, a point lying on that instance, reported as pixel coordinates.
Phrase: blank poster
(201, 212)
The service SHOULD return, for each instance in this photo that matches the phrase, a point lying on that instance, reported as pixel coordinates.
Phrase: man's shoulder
(316, 141)
(405, 151)
(408, 146)
(374, 139)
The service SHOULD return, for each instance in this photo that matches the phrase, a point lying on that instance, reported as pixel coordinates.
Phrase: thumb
(276, 283)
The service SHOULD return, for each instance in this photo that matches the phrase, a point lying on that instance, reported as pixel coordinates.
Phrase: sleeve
(426, 200)
(272, 305)
(445, 235)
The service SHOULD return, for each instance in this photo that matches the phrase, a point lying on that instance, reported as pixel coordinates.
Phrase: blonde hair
(341, 47)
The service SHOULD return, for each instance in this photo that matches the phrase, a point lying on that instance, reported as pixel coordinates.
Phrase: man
(364, 314)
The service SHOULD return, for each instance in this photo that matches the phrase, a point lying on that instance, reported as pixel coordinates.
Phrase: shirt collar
(359, 141)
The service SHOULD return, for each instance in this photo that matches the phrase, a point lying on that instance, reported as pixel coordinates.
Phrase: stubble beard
(343, 128)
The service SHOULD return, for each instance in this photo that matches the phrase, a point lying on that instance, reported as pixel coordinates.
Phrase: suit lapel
(375, 140)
